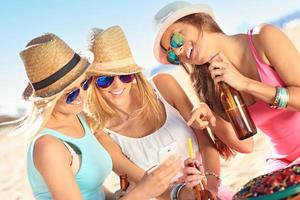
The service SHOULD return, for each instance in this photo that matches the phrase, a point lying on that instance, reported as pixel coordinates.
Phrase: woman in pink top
(264, 66)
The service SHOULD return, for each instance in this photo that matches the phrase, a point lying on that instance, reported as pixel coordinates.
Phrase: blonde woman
(140, 118)
(65, 160)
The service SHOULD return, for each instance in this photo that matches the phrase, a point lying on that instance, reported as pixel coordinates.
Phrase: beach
(15, 186)
(234, 173)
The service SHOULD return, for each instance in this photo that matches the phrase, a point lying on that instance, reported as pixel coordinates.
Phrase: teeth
(188, 55)
(77, 102)
(118, 92)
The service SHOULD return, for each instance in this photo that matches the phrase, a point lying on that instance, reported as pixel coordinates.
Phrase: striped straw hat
(51, 65)
(112, 54)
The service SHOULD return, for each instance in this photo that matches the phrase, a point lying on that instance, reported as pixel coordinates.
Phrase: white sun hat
(169, 14)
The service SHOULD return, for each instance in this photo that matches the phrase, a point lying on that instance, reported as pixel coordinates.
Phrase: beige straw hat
(112, 54)
(169, 14)
(51, 65)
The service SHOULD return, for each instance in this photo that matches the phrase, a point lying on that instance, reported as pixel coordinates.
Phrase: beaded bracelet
(281, 98)
(214, 175)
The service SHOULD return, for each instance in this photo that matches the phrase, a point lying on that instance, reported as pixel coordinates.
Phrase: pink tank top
(282, 126)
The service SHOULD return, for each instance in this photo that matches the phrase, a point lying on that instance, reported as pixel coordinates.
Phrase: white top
(144, 151)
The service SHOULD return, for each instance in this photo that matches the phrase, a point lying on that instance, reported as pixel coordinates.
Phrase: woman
(251, 63)
(65, 160)
(141, 118)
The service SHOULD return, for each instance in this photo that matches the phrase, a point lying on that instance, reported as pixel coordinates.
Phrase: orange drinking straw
(190, 148)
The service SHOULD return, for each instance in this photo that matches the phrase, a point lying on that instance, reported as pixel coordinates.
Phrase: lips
(77, 102)
(117, 92)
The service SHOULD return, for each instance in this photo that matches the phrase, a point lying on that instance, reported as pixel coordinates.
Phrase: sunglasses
(176, 41)
(106, 81)
(71, 96)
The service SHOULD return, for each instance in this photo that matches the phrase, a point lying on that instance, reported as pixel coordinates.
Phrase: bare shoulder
(167, 86)
(48, 150)
(270, 35)
(164, 81)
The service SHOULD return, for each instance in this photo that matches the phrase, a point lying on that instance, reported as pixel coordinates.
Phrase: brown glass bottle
(201, 191)
(237, 112)
(124, 184)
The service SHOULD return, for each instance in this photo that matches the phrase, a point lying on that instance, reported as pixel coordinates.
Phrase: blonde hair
(100, 110)
(35, 118)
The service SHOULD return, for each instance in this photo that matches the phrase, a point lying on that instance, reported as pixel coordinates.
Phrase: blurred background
(21, 21)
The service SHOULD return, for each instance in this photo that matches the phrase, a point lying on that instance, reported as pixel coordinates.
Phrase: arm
(175, 95)
(156, 180)
(275, 49)
(52, 160)
(278, 51)
(225, 132)
(121, 164)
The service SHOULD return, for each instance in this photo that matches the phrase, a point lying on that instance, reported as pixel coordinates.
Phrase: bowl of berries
(281, 184)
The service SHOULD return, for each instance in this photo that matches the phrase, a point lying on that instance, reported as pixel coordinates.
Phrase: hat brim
(159, 53)
(29, 94)
(117, 71)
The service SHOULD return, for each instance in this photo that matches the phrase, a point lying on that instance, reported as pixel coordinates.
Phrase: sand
(236, 172)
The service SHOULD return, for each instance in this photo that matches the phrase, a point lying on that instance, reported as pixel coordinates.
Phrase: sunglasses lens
(86, 84)
(173, 58)
(177, 40)
(72, 96)
(127, 78)
(104, 81)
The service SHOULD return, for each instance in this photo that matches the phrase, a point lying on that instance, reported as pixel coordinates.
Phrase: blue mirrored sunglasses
(71, 96)
(176, 41)
(106, 81)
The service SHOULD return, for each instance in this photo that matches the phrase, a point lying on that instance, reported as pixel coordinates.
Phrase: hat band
(57, 75)
(114, 64)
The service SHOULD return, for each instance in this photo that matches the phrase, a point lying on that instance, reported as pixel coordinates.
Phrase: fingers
(222, 57)
(216, 73)
(188, 161)
(192, 119)
(168, 168)
(212, 119)
(194, 180)
(217, 65)
(197, 119)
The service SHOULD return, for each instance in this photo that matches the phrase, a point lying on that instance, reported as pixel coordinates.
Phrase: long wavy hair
(100, 110)
(35, 118)
(200, 76)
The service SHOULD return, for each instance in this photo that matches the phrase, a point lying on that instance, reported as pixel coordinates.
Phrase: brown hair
(100, 110)
(201, 79)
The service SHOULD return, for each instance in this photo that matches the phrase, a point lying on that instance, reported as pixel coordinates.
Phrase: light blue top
(96, 164)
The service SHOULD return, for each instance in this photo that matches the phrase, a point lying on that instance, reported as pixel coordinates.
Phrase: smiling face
(191, 51)
(76, 105)
(118, 92)
(192, 33)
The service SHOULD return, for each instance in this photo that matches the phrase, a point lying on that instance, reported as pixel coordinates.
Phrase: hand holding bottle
(221, 69)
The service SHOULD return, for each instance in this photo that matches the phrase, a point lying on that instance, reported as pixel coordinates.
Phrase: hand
(193, 175)
(201, 117)
(221, 69)
(157, 179)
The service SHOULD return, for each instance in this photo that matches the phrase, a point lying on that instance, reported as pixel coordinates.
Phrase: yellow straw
(191, 150)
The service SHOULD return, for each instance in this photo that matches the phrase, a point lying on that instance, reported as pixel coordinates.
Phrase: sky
(22, 20)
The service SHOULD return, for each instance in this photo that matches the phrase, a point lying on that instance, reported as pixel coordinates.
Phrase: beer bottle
(237, 111)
